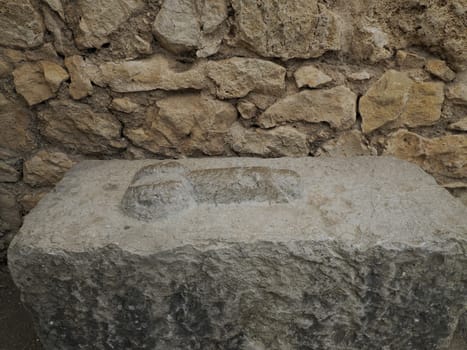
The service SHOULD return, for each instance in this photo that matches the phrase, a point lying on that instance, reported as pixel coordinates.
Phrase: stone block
(305, 253)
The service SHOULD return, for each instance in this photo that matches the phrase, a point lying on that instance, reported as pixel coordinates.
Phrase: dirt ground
(16, 330)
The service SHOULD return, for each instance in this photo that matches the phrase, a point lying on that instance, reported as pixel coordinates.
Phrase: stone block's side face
(299, 295)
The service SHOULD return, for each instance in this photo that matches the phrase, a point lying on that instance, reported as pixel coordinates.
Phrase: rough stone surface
(278, 142)
(336, 106)
(38, 82)
(46, 168)
(292, 29)
(445, 156)
(440, 69)
(15, 126)
(364, 260)
(10, 215)
(457, 91)
(157, 72)
(94, 20)
(397, 98)
(461, 125)
(8, 173)
(348, 144)
(20, 24)
(311, 77)
(186, 25)
(237, 77)
(188, 124)
(80, 85)
(77, 127)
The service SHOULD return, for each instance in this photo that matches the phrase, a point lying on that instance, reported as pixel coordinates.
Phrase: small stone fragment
(46, 168)
(187, 124)
(444, 156)
(397, 98)
(15, 126)
(77, 127)
(440, 69)
(31, 83)
(157, 72)
(20, 24)
(278, 142)
(8, 173)
(124, 105)
(336, 106)
(80, 86)
(358, 76)
(461, 125)
(348, 144)
(311, 77)
(246, 109)
(409, 60)
(185, 25)
(237, 77)
(54, 74)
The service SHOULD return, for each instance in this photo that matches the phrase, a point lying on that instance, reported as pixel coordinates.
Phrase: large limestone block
(287, 29)
(358, 253)
(20, 24)
(336, 107)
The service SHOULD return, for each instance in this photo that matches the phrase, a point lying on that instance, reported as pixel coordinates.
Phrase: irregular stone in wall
(360, 76)
(246, 109)
(237, 77)
(311, 77)
(461, 125)
(94, 20)
(5, 68)
(278, 142)
(124, 104)
(80, 85)
(348, 144)
(8, 173)
(38, 82)
(46, 168)
(444, 156)
(10, 216)
(20, 24)
(440, 69)
(186, 25)
(57, 6)
(30, 199)
(336, 107)
(397, 98)
(77, 127)
(457, 91)
(287, 29)
(15, 126)
(157, 72)
(187, 124)
(409, 60)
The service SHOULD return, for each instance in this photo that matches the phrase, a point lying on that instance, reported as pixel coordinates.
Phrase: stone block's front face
(245, 254)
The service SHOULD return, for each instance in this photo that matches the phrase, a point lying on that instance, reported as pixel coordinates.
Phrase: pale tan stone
(188, 124)
(409, 60)
(348, 144)
(31, 84)
(461, 125)
(20, 24)
(124, 104)
(97, 19)
(444, 156)
(440, 69)
(397, 98)
(80, 86)
(15, 126)
(54, 74)
(157, 72)
(457, 91)
(46, 168)
(336, 107)
(311, 77)
(185, 25)
(278, 142)
(361, 75)
(77, 127)
(287, 29)
(237, 77)
(246, 109)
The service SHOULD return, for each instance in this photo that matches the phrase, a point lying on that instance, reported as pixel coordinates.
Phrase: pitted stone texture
(363, 260)
(287, 29)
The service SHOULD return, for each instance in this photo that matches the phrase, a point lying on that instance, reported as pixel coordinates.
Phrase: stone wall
(192, 78)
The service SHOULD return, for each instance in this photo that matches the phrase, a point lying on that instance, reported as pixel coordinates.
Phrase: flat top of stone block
(149, 206)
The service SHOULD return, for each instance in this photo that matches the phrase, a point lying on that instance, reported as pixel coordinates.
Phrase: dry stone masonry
(244, 254)
(132, 79)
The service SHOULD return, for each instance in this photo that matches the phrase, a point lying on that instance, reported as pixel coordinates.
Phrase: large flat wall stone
(253, 254)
